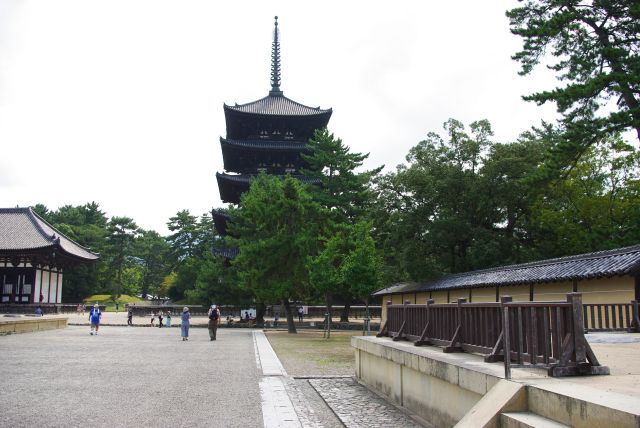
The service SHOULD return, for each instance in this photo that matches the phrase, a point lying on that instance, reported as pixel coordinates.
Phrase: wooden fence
(547, 335)
(610, 316)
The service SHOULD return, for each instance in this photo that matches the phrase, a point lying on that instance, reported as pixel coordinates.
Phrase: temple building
(264, 136)
(33, 257)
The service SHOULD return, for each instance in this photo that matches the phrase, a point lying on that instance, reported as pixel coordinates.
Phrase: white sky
(120, 101)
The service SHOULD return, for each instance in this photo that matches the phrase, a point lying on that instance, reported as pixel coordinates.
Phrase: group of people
(95, 315)
(161, 318)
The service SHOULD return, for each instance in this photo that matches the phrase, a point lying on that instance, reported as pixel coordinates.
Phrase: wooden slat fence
(548, 335)
(609, 316)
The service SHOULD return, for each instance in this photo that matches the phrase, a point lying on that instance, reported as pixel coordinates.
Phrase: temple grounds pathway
(129, 377)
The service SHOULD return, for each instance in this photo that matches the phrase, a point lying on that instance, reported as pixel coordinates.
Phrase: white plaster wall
(37, 287)
(52, 290)
(59, 296)
(45, 285)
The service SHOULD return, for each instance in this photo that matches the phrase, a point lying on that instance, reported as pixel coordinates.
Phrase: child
(94, 318)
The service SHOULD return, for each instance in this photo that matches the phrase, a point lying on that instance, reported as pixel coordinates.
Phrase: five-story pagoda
(267, 135)
(264, 136)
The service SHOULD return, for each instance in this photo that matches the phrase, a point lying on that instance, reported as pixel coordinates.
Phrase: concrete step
(527, 420)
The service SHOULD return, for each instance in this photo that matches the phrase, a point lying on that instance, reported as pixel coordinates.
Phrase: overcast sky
(120, 102)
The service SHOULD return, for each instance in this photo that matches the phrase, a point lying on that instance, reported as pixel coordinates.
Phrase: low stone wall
(460, 389)
(25, 325)
(439, 388)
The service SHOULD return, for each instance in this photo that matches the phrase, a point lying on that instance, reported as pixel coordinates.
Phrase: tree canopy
(595, 51)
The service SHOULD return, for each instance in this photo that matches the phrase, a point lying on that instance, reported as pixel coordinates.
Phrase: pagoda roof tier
(220, 221)
(25, 236)
(232, 186)
(277, 105)
(226, 252)
(247, 125)
(266, 145)
(274, 157)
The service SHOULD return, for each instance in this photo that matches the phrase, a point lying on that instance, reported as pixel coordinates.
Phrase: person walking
(300, 314)
(160, 325)
(153, 317)
(168, 318)
(184, 326)
(276, 318)
(214, 320)
(94, 317)
(130, 317)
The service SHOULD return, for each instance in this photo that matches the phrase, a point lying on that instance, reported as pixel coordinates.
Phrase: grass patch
(105, 299)
(307, 353)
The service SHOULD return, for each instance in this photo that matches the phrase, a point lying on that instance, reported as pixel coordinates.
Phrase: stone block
(472, 380)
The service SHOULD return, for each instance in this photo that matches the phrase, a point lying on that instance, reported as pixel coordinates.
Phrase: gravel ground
(134, 377)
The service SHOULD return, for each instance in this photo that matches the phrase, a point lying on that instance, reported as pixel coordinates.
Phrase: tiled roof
(21, 229)
(246, 178)
(227, 253)
(600, 264)
(264, 144)
(277, 106)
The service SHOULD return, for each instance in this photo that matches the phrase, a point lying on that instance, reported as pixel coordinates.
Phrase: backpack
(214, 314)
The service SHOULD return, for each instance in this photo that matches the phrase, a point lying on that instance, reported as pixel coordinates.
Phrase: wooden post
(384, 331)
(506, 336)
(457, 336)
(424, 338)
(580, 342)
(400, 335)
(635, 317)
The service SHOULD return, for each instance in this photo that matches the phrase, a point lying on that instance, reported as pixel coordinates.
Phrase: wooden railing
(548, 335)
(610, 316)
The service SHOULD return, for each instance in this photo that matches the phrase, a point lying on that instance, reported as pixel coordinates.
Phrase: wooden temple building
(33, 258)
(264, 136)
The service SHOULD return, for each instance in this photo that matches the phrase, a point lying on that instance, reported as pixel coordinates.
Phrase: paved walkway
(133, 377)
(149, 377)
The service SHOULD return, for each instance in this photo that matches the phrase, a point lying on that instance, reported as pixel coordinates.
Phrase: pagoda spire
(275, 62)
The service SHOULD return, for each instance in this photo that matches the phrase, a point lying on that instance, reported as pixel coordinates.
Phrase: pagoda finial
(275, 62)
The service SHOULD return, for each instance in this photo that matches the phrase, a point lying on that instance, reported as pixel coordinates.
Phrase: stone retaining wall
(22, 325)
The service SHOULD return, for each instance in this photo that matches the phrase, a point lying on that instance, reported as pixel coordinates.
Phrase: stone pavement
(357, 407)
(149, 377)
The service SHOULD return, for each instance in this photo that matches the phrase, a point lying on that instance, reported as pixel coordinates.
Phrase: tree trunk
(327, 319)
(344, 316)
(287, 309)
(260, 310)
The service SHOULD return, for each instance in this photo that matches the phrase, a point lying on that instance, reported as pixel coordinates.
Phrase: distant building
(264, 136)
(33, 257)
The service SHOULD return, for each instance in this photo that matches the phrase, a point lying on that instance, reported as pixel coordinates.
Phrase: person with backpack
(214, 319)
(94, 318)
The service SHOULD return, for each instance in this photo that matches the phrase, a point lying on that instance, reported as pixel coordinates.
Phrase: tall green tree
(362, 267)
(276, 226)
(344, 191)
(122, 234)
(595, 51)
(325, 275)
(595, 207)
(184, 240)
(155, 260)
